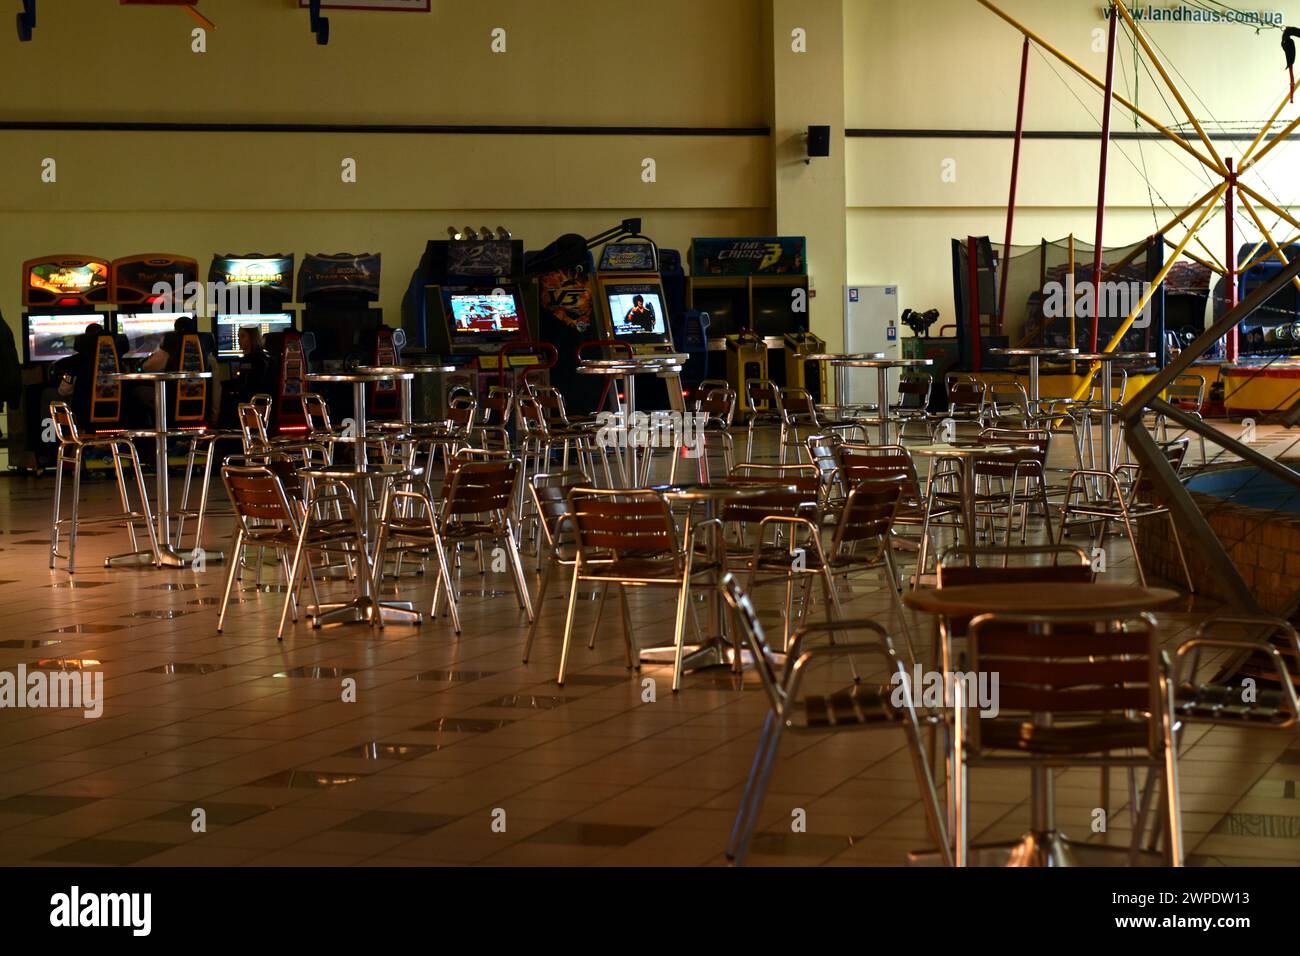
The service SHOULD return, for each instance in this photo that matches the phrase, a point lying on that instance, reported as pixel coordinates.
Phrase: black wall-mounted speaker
(819, 141)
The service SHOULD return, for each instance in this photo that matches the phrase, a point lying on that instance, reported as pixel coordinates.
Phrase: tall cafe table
(359, 379)
(966, 456)
(1107, 361)
(362, 478)
(882, 367)
(405, 375)
(841, 394)
(626, 370)
(166, 556)
(1033, 356)
(714, 651)
(1044, 845)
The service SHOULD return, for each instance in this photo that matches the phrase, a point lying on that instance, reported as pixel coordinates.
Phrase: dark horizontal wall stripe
(1066, 134)
(416, 130)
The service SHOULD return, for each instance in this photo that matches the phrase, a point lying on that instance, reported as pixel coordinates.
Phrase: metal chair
(916, 510)
(777, 535)
(331, 521)
(1268, 641)
(1187, 392)
(858, 706)
(550, 494)
(474, 508)
(798, 420)
(1123, 506)
(629, 538)
(1088, 690)
(912, 407)
(763, 408)
(71, 451)
(716, 403)
(266, 517)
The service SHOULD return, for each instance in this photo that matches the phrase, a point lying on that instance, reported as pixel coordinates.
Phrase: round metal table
(165, 556)
(967, 455)
(1043, 845)
(882, 367)
(366, 604)
(400, 372)
(626, 370)
(1034, 355)
(359, 380)
(1107, 362)
(715, 650)
(841, 397)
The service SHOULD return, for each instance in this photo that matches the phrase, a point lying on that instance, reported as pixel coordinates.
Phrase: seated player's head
(250, 338)
(185, 325)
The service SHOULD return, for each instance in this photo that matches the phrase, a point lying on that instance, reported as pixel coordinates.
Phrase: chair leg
(600, 611)
(629, 649)
(76, 502)
(568, 622)
(547, 571)
(517, 566)
(295, 575)
(58, 499)
(746, 835)
(444, 572)
(236, 561)
(746, 808)
(679, 633)
(929, 793)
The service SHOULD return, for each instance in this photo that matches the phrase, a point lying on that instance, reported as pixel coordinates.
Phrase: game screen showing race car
(474, 313)
(636, 310)
(52, 337)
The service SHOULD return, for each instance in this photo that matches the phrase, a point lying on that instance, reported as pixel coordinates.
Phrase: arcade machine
(631, 292)
(338, 293)
(134, 290)
(755, 291)
(257, 289)
(465, 302)
(60, 296)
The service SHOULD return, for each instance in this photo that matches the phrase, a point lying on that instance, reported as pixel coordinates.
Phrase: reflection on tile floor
(454, 752)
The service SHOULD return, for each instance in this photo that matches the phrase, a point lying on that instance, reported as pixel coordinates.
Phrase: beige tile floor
(455, 753)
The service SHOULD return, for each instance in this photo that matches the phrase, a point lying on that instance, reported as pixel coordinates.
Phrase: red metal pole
(1101, 178)
(973, 271)
(1231, 259)
(1015, 176)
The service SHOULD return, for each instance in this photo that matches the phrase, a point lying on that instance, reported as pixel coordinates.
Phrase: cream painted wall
(951, 64)
(807, 90)
(202, 193)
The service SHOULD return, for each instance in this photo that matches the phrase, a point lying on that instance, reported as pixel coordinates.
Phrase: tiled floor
(235, 749)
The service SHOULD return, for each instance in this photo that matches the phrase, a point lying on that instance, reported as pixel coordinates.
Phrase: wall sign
(412, 6)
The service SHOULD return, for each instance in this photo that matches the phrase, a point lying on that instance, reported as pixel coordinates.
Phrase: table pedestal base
(362, 611)
(1045, 849)
(715, 652)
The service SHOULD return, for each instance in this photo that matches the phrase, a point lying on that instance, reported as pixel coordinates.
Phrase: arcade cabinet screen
(228, 327)
(483, 313)
(144, 330)
(52, 337)
(68, 280)
(637, 310)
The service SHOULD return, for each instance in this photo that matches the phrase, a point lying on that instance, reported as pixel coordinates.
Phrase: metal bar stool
(72, 447)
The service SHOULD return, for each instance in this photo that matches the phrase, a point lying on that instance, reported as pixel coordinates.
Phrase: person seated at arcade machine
(167, 358)
(73, 378)
(254, 375)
